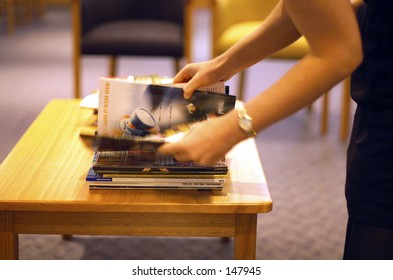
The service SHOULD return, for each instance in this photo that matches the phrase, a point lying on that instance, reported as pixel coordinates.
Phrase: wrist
(224, 65)
(245, 122)
(234, 133)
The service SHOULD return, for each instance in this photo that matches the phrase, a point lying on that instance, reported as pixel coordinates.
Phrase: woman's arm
(335, 51)
(275, 33)
(331, 30)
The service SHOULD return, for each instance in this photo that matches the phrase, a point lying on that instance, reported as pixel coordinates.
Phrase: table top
(46, 172)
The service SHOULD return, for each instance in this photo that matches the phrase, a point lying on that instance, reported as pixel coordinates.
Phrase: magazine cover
(148, 142)
(134, 110)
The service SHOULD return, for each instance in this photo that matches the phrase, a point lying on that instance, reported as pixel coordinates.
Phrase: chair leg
(345, 109)
(67, 237)
(10, 16)
(325, 113)
(225, 240)
(240, 90)
(77, 75)
(177, 66)
(76, 34)
(40, 8)
(112, 66)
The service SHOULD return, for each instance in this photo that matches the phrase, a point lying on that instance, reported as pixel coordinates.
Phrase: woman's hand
(200, 74)
(208, 141)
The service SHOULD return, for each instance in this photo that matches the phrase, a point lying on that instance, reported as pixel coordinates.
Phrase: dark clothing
(369, 185)
(372, 82)
(366, 242)
(381, 6)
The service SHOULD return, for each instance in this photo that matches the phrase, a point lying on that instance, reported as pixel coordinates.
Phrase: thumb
(167, 148)
(190, 87)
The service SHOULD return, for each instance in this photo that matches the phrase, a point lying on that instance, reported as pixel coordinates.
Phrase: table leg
(9, 245)
(245, 236)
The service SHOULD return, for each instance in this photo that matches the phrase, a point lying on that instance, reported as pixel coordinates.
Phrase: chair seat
(235, 32)
(296, 50)
(136, 37)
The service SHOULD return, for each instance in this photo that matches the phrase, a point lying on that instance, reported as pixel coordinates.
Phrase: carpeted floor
(305, 170)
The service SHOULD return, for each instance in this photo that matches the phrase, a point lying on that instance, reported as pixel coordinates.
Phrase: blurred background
(305, 169)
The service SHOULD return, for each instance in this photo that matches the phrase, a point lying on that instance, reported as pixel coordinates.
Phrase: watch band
(245, 122)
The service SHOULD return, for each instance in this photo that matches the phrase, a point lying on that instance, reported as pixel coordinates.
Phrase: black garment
(369, 184)
(366, 242)
(372, 82)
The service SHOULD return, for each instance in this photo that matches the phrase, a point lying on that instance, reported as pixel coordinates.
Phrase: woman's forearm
(275, 33)
(335, 51)
(331, 30)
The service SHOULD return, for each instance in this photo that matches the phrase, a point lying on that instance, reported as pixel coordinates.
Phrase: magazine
(93, 176)
(134, 118)
(150, 162)
(138, 112)
(142, 169)
(185, 185)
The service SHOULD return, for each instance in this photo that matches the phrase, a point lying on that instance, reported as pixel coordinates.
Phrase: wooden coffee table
(43, 191)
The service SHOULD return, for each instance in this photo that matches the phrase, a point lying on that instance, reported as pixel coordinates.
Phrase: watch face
(245, 124)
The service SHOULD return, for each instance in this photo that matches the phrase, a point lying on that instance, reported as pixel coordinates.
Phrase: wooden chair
(7, 10)
(233, 19)
(153, 28)
(20, 12)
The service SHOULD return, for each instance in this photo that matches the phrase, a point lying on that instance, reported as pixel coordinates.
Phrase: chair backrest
(100, 11)
(129, 27)
(229, 12)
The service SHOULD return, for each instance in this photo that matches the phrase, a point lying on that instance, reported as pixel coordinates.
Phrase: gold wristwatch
(245, 122)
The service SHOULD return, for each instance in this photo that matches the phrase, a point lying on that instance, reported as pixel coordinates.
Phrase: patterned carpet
(305, 170)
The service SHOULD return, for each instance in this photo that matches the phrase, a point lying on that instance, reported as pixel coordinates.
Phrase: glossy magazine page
(147, 112)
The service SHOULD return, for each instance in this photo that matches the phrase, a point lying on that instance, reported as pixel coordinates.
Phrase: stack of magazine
(143, 169)
(135, 118)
